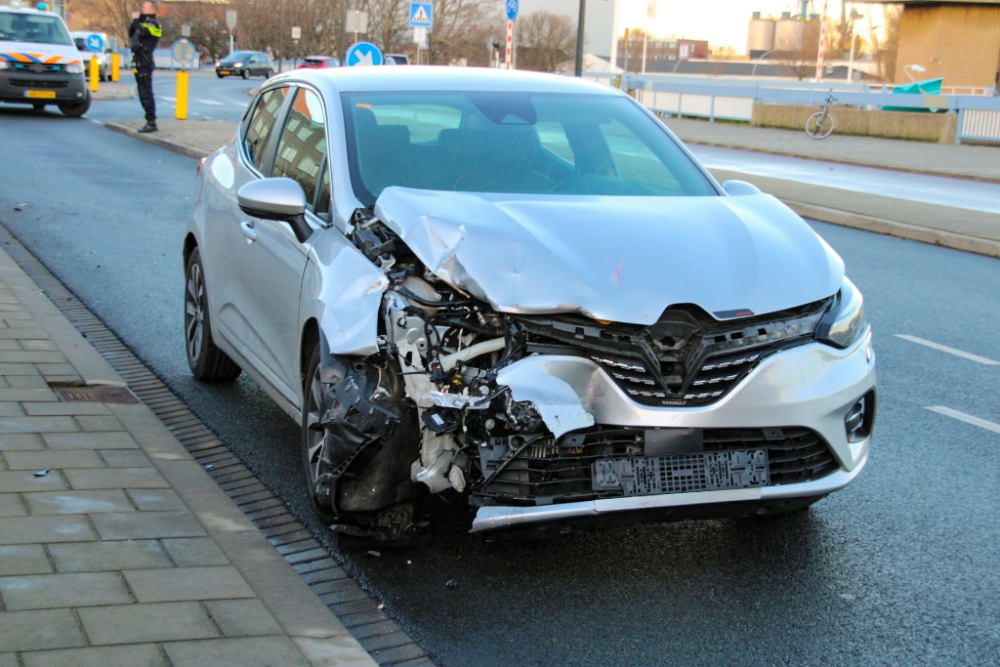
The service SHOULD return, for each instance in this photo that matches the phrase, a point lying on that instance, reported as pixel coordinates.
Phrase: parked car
(397, 59)
(245, 64)
(39, 63)
(103, 56)
(523, 291)
(318, 62)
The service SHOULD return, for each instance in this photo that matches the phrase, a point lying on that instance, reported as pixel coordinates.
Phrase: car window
(302, 145)
(511, 142)
(40, 29)
(261, 124)
(323, 199)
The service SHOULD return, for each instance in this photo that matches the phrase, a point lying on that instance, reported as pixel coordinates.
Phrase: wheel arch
(190, 243)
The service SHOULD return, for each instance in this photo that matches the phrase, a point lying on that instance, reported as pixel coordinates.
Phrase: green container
(928, 87)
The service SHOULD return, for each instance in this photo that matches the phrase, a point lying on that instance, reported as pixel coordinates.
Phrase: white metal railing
(734, 99)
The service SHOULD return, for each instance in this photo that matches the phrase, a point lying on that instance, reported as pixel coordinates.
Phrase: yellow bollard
(182, 95)
(95, 74)
(115, 67)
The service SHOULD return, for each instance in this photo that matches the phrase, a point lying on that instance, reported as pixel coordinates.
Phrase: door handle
(248, 231)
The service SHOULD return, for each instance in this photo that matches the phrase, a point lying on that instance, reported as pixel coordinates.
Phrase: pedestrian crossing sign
(421, 14)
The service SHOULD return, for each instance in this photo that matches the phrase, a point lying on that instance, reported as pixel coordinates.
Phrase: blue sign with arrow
(95, 42)
(421, 14)
(511, 7)
(363, 54)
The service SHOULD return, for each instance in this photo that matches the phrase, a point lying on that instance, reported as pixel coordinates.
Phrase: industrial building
(658, 50)
(957, 40)
(784, 37)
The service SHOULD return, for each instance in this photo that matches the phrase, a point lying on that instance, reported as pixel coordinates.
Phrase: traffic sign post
(421, 15)
(95, 42)
(296, 36)
(183, 52)
(185, 30)
(511, 7)
(231, 24)
(363, 54)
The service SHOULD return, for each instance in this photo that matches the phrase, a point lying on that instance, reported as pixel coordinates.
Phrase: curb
(850, 163)
(898, 229)
(162, 142)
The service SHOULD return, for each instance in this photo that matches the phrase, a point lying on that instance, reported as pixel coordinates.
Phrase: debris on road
(41, 473)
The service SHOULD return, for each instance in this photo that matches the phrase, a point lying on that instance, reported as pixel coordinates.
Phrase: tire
(220, 75)
(75, 109)
(311, 437)
(269, 74)
(245, 74)
(206, 360)
(820, 125)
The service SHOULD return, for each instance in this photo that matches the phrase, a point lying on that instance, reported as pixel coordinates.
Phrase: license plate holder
(40, 94)
(682, 473)
(225, 72)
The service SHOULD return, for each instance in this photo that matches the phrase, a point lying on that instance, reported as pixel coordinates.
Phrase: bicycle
(820, 124)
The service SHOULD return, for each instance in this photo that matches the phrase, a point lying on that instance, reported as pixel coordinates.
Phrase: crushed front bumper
(813, 386)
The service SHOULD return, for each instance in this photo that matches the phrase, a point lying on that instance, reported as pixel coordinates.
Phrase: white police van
(39, 63)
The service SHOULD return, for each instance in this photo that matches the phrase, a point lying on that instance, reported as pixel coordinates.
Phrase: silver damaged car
(522, 294)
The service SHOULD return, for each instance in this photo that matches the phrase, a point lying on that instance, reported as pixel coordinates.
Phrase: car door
(222, 246)
(274, 261)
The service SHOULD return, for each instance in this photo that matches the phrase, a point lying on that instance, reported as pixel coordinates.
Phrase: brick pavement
(116, 548)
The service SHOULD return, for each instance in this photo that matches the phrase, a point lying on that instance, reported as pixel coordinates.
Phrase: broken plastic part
(557, 402)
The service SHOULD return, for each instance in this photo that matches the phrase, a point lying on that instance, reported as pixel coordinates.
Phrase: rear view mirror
(276, 199)
(740, 188)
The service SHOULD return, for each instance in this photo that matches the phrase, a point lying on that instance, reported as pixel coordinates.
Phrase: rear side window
(262, 124)
(302, 146)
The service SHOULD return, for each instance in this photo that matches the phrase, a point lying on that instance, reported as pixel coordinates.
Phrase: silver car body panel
(557, 253)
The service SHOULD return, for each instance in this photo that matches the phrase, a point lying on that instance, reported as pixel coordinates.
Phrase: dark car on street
(318, 62)
(245, 64)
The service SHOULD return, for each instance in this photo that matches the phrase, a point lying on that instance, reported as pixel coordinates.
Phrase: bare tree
(546, 42)
(800, 55)
(208, 26)
(388, 23)
(461, 28)
(113, 16)
(887, 49)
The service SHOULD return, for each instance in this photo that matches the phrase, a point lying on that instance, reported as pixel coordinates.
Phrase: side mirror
(740, 188)
(276, 199)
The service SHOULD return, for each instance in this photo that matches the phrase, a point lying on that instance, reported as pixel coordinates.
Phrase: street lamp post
(753, 72)
(281, 35)
(913, 67)
(579, 38)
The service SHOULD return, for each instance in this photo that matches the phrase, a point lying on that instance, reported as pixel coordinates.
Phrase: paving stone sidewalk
(116, 548)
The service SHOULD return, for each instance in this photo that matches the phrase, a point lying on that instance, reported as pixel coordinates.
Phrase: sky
(721, 22)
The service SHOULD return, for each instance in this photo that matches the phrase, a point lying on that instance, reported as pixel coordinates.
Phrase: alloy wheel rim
(194, 313)
(315, 434)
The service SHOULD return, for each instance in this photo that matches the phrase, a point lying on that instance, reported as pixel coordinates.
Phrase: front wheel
(219, 75)
(820, 125)
(268, 74)
(207, 361)
(245, 74)
(75, 109)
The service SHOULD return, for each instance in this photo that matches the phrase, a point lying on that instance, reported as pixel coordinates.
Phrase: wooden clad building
(958, 40)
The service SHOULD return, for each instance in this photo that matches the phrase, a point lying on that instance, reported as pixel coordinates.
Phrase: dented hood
(623, 259)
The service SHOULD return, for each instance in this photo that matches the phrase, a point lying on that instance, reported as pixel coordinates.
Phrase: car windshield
(41, 29)
(81, 43)
(518, 143)
(239, 55)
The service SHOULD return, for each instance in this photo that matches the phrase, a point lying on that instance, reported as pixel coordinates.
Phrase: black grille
(37, 68)
(553, 471)
(29, 83)
(686, 359)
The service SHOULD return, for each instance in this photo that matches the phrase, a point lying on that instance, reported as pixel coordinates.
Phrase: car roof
(26, 10)
(426, 78)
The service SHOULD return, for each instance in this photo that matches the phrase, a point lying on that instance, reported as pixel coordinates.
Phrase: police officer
(145, 33)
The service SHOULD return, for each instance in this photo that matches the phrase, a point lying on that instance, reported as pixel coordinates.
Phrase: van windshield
(39, 29)
(516, 143)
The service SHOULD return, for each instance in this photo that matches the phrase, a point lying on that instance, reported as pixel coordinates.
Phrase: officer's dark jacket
(145, 33)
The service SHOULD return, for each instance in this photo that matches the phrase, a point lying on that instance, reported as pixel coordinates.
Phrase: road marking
(949, 350)
(168, 98)
(242, 105)
(210, 102)
(962, 417)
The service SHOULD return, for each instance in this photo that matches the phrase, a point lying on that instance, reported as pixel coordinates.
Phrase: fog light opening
(859, 419)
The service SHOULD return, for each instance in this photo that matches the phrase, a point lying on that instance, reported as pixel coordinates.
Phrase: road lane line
(242, 105)
(949, 350)
(210, 102)
(962, 417)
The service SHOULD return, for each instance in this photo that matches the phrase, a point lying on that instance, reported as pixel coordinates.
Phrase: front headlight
(237, 64)
(4, 64)
(845, 322)
(75, 68)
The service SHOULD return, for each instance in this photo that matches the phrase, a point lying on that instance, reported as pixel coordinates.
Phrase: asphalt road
(898, 569)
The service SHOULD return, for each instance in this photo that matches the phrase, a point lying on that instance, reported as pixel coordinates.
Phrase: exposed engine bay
(454, 403)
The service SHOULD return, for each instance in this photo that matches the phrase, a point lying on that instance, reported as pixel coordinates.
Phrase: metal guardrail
(733, 99)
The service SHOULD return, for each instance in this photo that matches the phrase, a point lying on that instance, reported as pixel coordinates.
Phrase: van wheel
(75, 109)
(207, 361)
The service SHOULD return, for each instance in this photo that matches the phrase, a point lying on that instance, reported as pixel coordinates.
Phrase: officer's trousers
(144, 82)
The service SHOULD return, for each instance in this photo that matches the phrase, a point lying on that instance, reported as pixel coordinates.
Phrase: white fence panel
(980, 124)
(667, 102)
(734, 108)
(696, 105)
